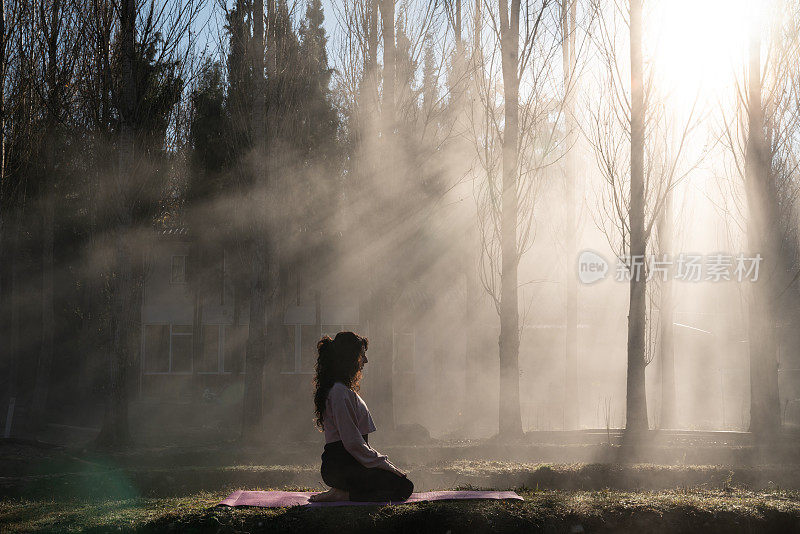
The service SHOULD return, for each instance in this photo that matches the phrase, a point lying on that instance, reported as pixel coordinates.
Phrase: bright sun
(697, 45)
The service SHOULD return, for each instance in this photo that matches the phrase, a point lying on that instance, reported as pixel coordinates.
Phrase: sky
(210, 21)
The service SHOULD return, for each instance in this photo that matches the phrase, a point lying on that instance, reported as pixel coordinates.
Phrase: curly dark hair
(337, 361)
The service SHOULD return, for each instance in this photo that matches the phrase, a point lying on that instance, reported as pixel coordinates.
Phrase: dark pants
(342, 471)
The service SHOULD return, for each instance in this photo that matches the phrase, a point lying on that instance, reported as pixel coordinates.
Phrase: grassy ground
(104, 480)
(545, 511)
(57, 489)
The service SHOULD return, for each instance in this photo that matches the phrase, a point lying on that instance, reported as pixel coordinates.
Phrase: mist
(190, 201)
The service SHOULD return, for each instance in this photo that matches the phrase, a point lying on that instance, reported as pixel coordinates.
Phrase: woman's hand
(398, 472)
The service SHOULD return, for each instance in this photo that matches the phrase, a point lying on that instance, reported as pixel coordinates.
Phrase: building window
(300, 354)
(167, 348)
(181, 349)
(301, 351)
(178, 271)
(210, 360)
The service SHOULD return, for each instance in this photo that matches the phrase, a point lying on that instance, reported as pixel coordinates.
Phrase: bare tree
(510, 419)
(115, 431)
(761, 204)
(255, 356)
(8, 26)
(636, 399)
(760, 137)
(515, 142)
(162, 27)
(569, 66)
(640, 147)
(60, 29)
(666, 354)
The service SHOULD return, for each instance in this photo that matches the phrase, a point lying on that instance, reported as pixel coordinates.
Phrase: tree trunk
(89, 340)
(457, 25)
(474, 339)
(87, 337)
(196, 276)
(667, 350)
(44, 363)
(371, 68)
(568, 14)
(381, 335)
(636, 400)
(256, 352)
(761, 236)
(389, 65)
(382, 320)
(197, 339)
(277, 343)
(115, 432)
(510, 419)
(256, 349)
(15, 301)
(2, 109)
(471, 403)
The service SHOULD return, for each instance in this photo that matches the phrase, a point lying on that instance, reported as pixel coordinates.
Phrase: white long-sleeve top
(347, 418)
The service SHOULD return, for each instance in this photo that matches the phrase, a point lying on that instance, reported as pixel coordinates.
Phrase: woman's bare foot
(333, 494)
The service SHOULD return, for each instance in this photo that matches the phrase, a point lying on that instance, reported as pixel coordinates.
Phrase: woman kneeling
(354, 470)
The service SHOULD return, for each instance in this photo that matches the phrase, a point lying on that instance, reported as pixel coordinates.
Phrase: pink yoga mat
(279, 499)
